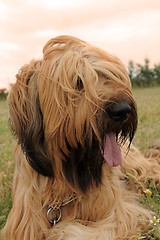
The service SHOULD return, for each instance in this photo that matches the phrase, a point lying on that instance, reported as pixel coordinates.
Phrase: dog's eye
(79, 84)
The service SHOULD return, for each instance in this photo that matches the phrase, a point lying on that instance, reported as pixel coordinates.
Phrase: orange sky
(129, 29)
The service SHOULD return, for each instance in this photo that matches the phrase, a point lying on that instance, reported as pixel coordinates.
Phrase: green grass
(148, 105)
(6, 164)
(148, 101)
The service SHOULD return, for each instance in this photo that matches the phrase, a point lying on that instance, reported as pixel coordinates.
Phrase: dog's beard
(83, 166)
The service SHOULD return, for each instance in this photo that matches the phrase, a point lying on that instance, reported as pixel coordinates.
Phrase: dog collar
(52, 208)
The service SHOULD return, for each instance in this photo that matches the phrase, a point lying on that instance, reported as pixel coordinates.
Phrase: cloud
(3, 11)
(26, 17)
(32, 16)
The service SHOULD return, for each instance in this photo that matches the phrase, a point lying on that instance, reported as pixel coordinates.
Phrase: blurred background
(128, 29)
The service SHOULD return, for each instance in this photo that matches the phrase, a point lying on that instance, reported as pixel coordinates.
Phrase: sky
(129, 29)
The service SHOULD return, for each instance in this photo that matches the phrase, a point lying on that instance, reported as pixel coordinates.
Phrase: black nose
(119, 111)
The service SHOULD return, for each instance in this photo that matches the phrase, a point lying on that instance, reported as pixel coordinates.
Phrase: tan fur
(107, 212)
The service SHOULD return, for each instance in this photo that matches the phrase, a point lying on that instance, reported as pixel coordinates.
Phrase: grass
(6, 164)
(148, 101)
(148, 106)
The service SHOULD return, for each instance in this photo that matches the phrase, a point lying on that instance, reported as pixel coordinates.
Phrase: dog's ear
(27, 119)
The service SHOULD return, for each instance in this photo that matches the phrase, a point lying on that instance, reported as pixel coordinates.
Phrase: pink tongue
(112, 153)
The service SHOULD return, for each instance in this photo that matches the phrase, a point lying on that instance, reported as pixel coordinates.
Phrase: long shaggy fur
(59, 111)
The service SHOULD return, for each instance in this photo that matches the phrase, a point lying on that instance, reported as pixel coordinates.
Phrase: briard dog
(74, 117)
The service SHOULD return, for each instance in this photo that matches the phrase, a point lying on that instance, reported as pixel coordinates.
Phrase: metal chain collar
(52, 208)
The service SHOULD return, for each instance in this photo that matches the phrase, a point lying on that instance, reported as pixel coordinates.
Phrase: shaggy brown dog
(71, 111)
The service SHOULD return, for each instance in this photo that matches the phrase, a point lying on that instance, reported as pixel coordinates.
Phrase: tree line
(143, 75)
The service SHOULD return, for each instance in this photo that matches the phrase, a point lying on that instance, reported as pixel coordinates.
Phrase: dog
(74, 117)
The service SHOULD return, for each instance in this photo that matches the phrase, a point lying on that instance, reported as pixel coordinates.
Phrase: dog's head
(69, 109)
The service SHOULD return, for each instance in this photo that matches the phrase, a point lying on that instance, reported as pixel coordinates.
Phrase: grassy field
(148, 101)
(6, 163)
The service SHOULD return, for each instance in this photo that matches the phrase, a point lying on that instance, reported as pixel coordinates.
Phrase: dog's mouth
(111, 152)
(121, 125)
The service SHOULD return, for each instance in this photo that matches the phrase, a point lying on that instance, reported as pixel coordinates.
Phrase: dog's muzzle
(119, 111)
(120, 125)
